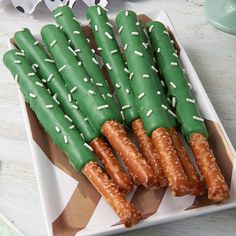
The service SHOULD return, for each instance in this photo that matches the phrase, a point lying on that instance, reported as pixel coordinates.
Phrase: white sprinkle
(109, 95)
(75, 19)
(32, 95)
(61, 27)
(162, 83)
(99, 84)
(69, 98)
(85, 79)
(31, 74)
(126, 70)
(149, 113)
(126, 13)
(172, 113)
(35, 66)
(17, 62)
(76, 32)
(127, 91)
(174, 54)
(141, 95)
(68, 118)
(109, 24)
(184, 70)
(95, 61)
(79, 63)
(58, 14)
(73, 89)
(53, 43)
(173, 102)
(49, 77)
(122, 115)
(77, 50)
(36, 43)
(89, 21)
(137, 23)
(125, 107)
(131, 76)
(114, 51)
(117, 85)
(49, 91)
(103, 96)
(86, 119)
(138, 53)
(49, 106)
(91, 92)
(172, 84)
(168, 99)
(108, 35)
(151, 28)
(93, 51)
(145, 45)
(99, 11)
(99, 49)
(81, 134)
(159, 92)
(96, 28)
(65, 139)
(145, 76)
(164, 106)
(135, 33)
(44, 81)
(174, 63)
(190, 100)
(126, 46)
(190, 86)
(62, 68)
(57, 129)
(49, 60)
(120, 29)
(88, 146)
(108, 66)
(21, 30)
(72, 127)
(198, 118)
(55, 98)
(172, 41)
(165, 32)
(20, 54)
(72, 51)
(75, 107)
(102, 107)
(17, 78)
(154, 68)
(91, 79)
(158, 50)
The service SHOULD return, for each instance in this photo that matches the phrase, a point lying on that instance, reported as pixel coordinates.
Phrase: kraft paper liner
(85, 198)
(224, 158)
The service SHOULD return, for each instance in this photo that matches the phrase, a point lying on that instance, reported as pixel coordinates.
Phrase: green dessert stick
(112, 57)
(47, 111)
(73, 31)
(46, 67)
(76, 77)
(178, 87)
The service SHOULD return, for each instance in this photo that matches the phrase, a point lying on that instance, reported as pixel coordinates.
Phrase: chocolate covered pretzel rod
(68, 140)
(92, 103)
(151, 102)
(73, 31)
(109, 50)
(192, 124)
(45, 68)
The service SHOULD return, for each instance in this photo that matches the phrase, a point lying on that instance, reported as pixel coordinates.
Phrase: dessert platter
(122, 132)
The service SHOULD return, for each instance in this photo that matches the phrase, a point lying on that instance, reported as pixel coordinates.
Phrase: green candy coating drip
(112, 57)
(50, 116)
(171, 69)
(153, 106)
(46, 67)
(72, 29)
(86, 93)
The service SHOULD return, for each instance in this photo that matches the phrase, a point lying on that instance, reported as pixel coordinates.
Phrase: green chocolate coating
(111, 55)
(153, 107)
(171, 69)
(72, 29)
(86, 93)
(37, 55)
(47, 111)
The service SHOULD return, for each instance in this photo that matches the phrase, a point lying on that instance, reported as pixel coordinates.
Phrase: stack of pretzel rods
(45, 68)
(94, 105)
(192, 124)
(154, 109)
(67, 139)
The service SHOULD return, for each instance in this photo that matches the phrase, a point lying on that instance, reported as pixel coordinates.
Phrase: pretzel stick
(111, 165)
(137, 166)
(128, 214)
(148, 150)
(217, 188)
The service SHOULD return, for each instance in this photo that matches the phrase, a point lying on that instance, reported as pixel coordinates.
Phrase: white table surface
(213, 54)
